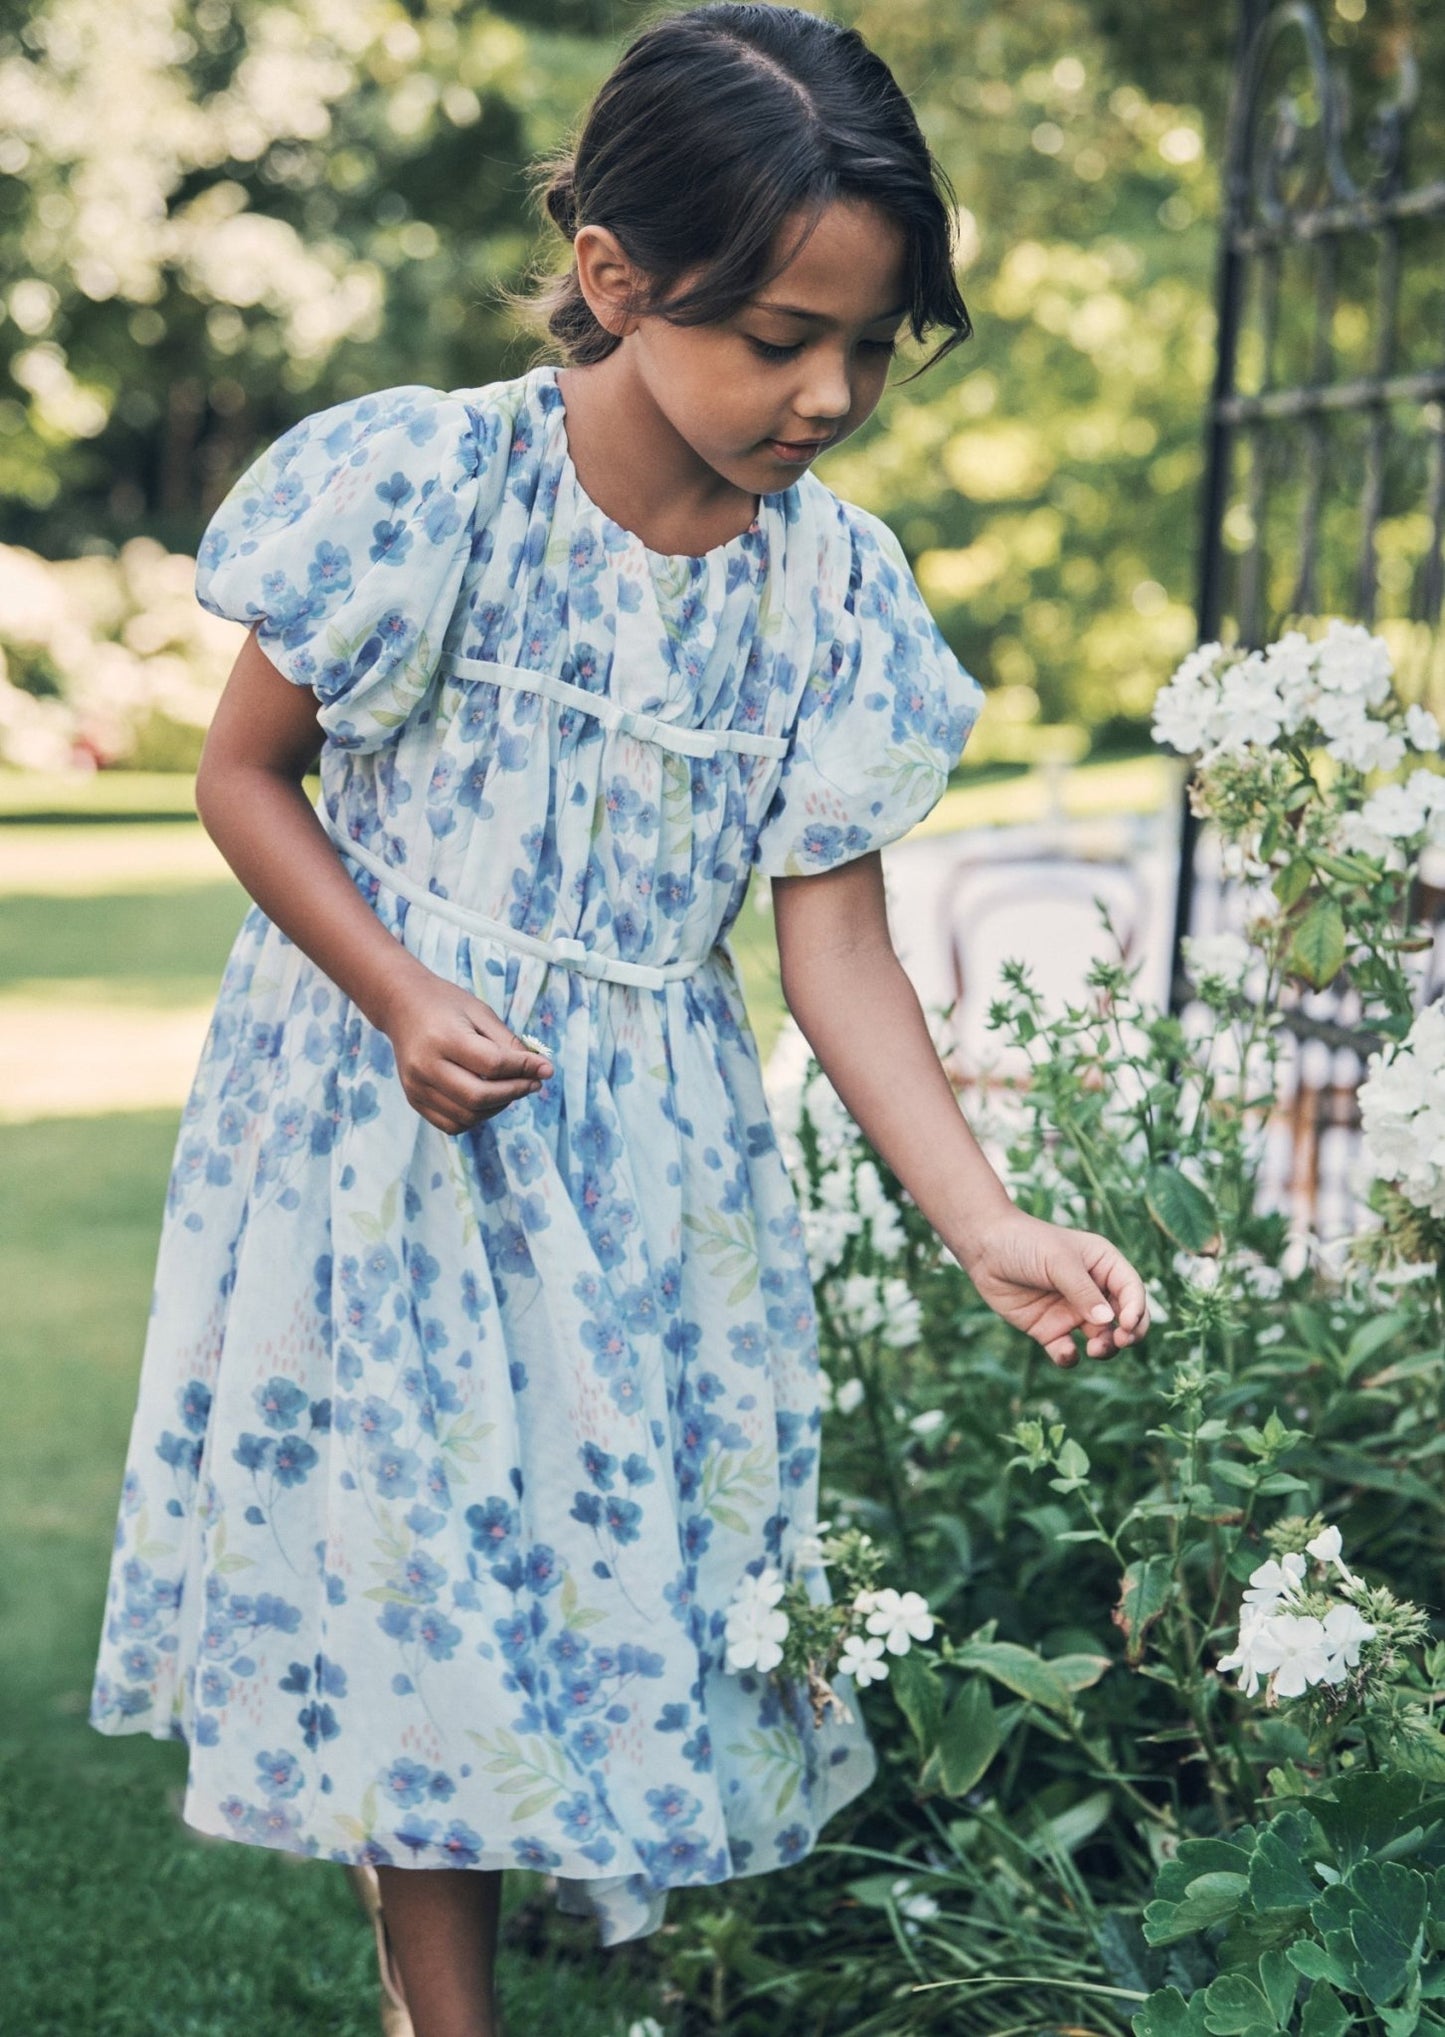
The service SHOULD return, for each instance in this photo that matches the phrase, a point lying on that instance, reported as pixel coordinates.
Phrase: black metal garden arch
(1324, 489)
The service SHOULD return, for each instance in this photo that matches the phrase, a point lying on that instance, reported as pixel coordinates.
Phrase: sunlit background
(219, 215)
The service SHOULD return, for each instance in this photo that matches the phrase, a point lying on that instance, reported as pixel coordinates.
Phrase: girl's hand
(457, 1062)
(1050, 1280)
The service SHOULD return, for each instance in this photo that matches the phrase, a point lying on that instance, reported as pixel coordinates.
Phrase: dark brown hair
(716, 126)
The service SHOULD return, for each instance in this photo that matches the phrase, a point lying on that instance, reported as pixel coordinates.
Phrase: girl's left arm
(860, 1014)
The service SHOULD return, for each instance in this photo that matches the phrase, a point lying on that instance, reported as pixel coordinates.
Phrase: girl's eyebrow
(821, 317)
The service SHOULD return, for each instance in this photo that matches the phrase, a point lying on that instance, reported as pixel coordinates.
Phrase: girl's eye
(771, 352)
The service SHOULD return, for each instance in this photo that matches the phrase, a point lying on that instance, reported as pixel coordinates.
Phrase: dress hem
(575, 1877)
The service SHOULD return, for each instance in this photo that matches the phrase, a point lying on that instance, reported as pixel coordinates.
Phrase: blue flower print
(280, 1775)
(493, 1409)
(280, 1403)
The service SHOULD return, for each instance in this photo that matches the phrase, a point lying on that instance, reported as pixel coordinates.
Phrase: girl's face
(802, 364)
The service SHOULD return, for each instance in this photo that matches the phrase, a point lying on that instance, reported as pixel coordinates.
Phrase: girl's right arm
(457, 1063)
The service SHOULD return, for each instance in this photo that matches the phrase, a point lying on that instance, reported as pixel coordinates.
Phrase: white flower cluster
(124, 638)
(1221, 958)
(1234, 703)
(1291, 1648)
(757, 1626)
(1402, 1112)
(846, 1212)
(891, 1619)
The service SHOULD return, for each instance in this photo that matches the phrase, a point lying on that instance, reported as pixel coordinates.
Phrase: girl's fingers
(516, 1057)
(494, 1057)
(495, 1096)
(464, 1099)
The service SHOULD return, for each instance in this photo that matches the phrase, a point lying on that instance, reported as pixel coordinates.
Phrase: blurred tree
(216, 215)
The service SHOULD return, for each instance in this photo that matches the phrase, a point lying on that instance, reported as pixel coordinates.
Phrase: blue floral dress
(450, 1451)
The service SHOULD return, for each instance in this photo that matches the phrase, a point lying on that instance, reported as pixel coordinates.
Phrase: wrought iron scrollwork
(1308, 457)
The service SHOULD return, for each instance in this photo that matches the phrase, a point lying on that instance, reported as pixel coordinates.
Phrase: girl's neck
(637, 467)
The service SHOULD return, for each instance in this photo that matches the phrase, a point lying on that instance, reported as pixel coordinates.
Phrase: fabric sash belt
(648, 728)
(566, 951)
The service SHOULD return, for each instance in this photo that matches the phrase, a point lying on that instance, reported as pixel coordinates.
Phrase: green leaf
(1349, 869)
(1325, 2014)
(1291, 883)
(1278, 1876)
(1069, 1829)
(1389, 1925)
(918, 1689)
(1245, 1477)
(1181, 1208)
(1167, 2014)
(1209, 1899)
(1364, 1812)
(1372, 1336)
(1317, 1964)
(1073, 1461)
(1145, 1592)
(1234, 2003)
(1019, 1670)
(1317, 951)
(1080, 1672)
(1281, 1985)
(968, 1738)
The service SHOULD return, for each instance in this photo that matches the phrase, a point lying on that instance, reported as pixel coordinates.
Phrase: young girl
(482, 1366)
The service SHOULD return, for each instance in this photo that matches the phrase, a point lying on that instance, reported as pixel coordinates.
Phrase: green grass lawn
(118, 1920)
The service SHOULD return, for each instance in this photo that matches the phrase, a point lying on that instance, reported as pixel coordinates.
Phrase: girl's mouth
(797, 451)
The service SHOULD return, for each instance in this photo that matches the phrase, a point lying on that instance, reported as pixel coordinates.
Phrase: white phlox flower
(1243, 1659)
(826, 1233)
(928, 1421)
(917, 1904)
(1273, 1582)
(1402, 1112)
(1345, 1634)
(1222, 957)
(1397, 811)
(901, 1618)
(756, 1628)
(1250, 706)
(808, 1547)
(1265, 1282)
(849, 1396)
(860, 1304)
(1291, 1649)
(1422, 728)
(902, 1323)
(1351, 834)
(1350, 660)
(1186, 710)
(862, 1659)
(1197, 1268)
(1326, 1548)
(885, 1228)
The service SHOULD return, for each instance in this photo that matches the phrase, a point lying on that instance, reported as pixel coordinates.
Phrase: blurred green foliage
(216, 215)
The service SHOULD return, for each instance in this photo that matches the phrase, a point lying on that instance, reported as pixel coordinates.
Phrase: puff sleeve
(346, 541)
(882, 719)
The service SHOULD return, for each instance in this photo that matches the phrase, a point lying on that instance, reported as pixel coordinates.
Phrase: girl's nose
(828, 395)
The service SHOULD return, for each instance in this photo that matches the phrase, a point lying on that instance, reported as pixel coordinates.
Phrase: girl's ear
(610, 282)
